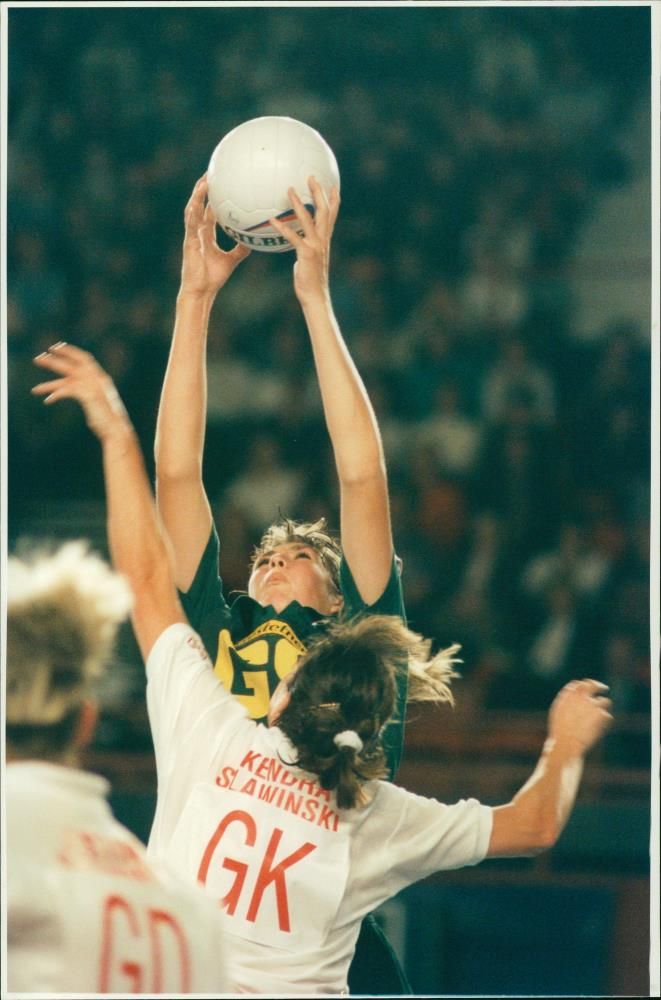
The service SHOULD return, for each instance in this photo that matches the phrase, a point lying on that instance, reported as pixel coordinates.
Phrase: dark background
(495, 191)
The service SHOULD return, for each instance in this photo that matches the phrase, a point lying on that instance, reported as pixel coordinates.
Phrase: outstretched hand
(313, 247)
(205, 267)
(82, 378)
(580, 714)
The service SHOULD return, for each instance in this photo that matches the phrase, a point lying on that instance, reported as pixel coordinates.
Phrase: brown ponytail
(346, 684)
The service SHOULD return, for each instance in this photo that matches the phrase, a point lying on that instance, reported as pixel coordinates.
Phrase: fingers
(201, 227)
(288, 233)
(333, 209)
(200, 189)
(57, 388)
(320, 199)
(64, 359)
(52, 362)
(239, 252)
(587, 684)
(206, 228)
(44, 387)
(194, 211)
(315, 229)
(83, 379)
(54, 347)
(594, 694)
(302, 214)
(207, 234)
(326, 207)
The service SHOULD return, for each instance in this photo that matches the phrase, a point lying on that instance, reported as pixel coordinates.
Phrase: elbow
(540, 846)
(522, 833)
(178, 466)
(176, 472)
(144, 573)
(361, 474)
(543, 838)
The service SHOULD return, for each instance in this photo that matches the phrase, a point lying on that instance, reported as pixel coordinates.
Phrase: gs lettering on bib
(253, 668)
(269, 847)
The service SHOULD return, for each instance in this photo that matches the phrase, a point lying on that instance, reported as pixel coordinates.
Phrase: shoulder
(178, 644)
(391, 600)
(205, 596)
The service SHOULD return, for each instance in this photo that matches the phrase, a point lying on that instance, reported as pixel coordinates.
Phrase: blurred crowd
(472, 145)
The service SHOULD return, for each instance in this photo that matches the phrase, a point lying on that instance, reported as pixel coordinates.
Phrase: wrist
(566, 747)
(196, 297)
(318, 300)
(118, 434)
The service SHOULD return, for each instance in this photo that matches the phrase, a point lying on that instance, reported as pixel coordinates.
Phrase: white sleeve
(428, 836)
(189, 709)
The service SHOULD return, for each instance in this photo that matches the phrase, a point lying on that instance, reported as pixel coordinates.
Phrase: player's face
(293, 572)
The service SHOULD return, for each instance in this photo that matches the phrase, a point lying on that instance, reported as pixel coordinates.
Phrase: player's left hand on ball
(313, 246)
(80, 377)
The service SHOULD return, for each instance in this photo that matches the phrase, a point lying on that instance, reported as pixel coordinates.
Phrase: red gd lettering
(116, 911)
(268, 871)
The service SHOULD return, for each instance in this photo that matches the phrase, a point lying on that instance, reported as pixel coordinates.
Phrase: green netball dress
(253, 647)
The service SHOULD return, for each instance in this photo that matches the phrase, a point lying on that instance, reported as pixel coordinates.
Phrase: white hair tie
(348, 738)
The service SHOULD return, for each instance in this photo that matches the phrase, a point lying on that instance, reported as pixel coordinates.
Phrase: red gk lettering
(231, 899)
(276, 875)
(270, 872)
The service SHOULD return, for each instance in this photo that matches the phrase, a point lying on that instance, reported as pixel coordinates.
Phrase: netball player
(301, 578)
(87, 911)
(288, 825)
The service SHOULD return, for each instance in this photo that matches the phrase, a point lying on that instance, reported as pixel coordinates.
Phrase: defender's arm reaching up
(138, 546)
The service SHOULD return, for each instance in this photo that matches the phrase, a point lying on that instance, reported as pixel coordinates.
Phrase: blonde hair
(312, 533)
(345, 686)
(63, 613)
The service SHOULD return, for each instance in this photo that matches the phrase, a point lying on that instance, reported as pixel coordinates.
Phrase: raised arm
(137, 544)
(352, 426)
(179, 446)
(536, 816)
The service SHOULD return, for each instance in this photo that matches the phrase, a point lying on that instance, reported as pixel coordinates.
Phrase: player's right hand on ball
(205, 267)
(580, 715)
(80, 377)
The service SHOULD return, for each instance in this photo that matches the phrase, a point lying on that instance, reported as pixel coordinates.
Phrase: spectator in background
(574, 558)
(517, 480)
(493, 297)
(627, 670)
(38, 284)
(562, 639)
(452, 436)
(240, 537)
(514, 377)
(265, 487)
